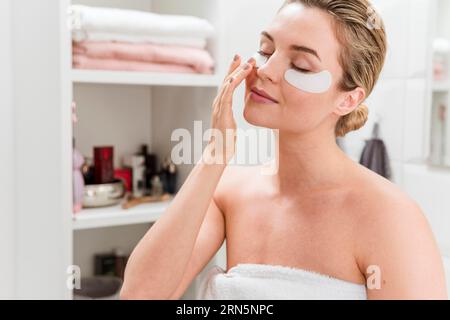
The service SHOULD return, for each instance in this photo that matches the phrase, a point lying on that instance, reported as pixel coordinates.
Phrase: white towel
(133, 22)
(268, 282)
(79, 36)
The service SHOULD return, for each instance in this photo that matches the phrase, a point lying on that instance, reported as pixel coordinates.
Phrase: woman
(321, 216)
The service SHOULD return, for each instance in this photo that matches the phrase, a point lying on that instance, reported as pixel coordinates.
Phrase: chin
(256, 115)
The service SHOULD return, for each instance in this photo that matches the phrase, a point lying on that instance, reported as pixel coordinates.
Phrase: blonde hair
(363, 53)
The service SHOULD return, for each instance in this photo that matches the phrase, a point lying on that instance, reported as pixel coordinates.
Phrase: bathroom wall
(7, 158)
(399, 98)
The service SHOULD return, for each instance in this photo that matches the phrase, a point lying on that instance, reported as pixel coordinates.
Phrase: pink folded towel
(198, 59)
(83, 62)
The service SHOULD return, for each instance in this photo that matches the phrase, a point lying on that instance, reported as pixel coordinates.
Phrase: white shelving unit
(139, 108)
(126, 110)
(439, 128)
(116, 216)
(144, 79)
(441, 86)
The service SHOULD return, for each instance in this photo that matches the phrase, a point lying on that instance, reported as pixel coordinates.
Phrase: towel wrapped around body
(268, 282)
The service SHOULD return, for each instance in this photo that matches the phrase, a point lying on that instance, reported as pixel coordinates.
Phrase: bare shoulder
(394, 235)
(380, 202)
(235, 181)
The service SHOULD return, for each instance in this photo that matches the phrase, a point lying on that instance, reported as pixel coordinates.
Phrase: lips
(263, 94)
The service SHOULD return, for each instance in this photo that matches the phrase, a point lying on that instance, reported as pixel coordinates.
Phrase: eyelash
(292, 65)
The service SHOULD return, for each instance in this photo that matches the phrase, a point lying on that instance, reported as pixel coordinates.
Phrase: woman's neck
(308, 161)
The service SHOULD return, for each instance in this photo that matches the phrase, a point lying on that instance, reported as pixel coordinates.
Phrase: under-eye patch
(308, 82)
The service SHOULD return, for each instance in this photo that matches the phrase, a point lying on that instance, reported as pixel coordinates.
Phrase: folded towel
(268, 282)
(121, 21)
(200, 60)
(81, 61)
(80, 36)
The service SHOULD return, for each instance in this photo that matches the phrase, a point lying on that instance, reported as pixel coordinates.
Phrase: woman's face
(303, 39)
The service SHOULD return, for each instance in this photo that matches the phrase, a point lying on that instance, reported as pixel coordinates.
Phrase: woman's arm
(158, 263)
(209, 241)
(401, 255)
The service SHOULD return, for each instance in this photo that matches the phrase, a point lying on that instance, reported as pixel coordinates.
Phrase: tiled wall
(400, 100)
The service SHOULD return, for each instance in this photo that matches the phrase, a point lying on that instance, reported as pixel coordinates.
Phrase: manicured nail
(236, 57)
(231, 79)
(251, 60)
(247, 66)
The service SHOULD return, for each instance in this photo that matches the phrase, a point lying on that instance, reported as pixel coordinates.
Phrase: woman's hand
(222, 144)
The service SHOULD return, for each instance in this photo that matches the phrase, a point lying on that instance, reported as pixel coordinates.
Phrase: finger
(233, 75)
(231, 79)
(234, 64)
(235, 81)
(233, 67)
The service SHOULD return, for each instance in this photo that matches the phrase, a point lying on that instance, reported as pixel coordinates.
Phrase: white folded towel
(133, 22)
(268, 282)
(79, 36)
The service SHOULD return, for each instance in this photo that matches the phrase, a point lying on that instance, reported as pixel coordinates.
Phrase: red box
(124, 175)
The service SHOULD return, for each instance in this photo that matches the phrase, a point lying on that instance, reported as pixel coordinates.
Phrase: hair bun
(352, 121)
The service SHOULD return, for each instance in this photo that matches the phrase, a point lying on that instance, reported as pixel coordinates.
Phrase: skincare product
(103, 162)
(137, 165)
(308, 82)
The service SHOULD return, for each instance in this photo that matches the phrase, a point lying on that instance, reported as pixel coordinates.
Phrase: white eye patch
(308, 82)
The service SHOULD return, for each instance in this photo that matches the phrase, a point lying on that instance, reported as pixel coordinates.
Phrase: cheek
(305, 108)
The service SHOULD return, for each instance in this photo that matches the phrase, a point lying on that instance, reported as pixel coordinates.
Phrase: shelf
(443, 86)
(116, 216)
(145, 78)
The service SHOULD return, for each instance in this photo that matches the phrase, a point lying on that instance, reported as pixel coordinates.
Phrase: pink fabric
(198, 59)
(84, 62)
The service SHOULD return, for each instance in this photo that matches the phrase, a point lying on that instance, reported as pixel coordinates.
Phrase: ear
(350, 100)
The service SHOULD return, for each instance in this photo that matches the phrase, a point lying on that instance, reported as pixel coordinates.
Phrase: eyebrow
(294, 47)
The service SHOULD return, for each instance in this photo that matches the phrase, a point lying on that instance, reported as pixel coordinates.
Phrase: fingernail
(247, 66)
(251, 60)
(231, 80)
(236, 57)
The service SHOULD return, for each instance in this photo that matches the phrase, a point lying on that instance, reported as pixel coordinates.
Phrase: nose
(271, 70)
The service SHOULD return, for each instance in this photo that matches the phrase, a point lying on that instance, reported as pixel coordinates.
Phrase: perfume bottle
(104, 168)
(137, 165)
(151, 163)
(157, 186)
(169, 175)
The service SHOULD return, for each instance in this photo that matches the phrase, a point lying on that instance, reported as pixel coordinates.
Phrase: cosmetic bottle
(157, 186)
(151, 163)
(104, 168)
(169, 175)
(78, 181)
(137, 165)
(88, 171)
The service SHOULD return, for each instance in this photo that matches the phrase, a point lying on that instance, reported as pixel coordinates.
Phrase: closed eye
(264, 54)
(300, 69)
(267, 55)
